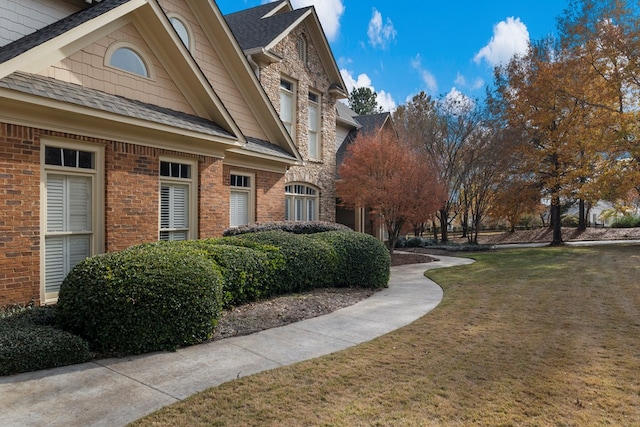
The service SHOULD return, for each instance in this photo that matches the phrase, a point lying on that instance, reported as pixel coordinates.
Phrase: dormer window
(127, 58)
(182, 30)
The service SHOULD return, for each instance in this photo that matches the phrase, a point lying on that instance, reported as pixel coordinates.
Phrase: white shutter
(55, 203)
(239, 208)
(311, 209)
(54, 265)
(180, 206)
(165, 206)
(79, 194)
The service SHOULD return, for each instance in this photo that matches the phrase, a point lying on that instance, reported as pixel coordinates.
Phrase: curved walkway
(114, 392)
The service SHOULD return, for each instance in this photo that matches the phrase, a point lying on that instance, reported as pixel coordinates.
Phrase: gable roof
(75, 94)
(368, 124)
(21, 59)
(259, 29)
(58, 28)
(346, 115)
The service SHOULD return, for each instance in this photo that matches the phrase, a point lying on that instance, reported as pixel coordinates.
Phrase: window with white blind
(301, 202)
(288, 106)
(69, 220)
(241, 200)
(176, 200)
(314, 126)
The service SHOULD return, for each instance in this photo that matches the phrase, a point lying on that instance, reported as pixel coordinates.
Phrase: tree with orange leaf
(383, 173)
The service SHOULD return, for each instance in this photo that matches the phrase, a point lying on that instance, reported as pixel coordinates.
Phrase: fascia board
(183, 69)
(216, 30)
(38, 112)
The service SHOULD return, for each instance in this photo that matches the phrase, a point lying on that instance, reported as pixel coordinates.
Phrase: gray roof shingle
(60, 27)
(264, 147)
(252, 30)
(78, 95)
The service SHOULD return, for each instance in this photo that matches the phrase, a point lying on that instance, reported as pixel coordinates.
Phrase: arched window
(125, 57)
(301, 202)
(182, 30)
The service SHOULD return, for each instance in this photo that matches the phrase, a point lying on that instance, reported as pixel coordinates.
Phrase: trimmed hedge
(28, 343)
(149, 297)
(295, 227)
(362, 260)
(248, 273)
(306, 261)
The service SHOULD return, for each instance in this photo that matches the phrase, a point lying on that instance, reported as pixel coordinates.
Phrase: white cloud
(385, 100)
(427, 78)
(329, 13)
(463, 82)
(510, 37)
(457, 102)
(380, 32)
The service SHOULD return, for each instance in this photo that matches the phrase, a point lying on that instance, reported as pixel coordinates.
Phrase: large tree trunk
(582, 216)
(444, 225)
(556, 223)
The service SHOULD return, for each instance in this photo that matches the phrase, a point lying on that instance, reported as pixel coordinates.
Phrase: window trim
(191, 182)
(317, 156)
(143, 57)
(250, 190)
(292, 197)
(97, 203)
(292, 92)
(187, 28)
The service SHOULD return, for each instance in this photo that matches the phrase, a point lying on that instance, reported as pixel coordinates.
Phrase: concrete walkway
(114, 392)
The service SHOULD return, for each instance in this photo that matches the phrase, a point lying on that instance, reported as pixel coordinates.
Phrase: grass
(535, 337)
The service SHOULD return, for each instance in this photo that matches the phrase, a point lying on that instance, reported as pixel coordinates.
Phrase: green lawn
(523, 337)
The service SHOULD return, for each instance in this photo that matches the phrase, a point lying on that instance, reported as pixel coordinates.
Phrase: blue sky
(402, 47)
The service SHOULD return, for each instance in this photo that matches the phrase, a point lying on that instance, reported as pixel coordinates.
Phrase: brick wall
(268, 197)
(131, 197)
(213, 211)
(20, 214)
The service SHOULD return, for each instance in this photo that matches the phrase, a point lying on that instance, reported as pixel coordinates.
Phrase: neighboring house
(129, 121)
(293, 61)
(349, 125)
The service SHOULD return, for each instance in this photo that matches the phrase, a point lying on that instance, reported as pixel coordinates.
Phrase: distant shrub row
(627, 221)
(164, 295)
(295, 227)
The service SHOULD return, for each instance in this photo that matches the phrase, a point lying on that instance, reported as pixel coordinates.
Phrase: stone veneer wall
(307, 76)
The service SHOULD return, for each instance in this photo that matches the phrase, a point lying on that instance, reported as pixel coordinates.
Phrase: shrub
(306, 261)
(627, 221)
(295, 227)
(362, 259)
(570, 221)
(248, 273)
(28, 342)
(147, 298)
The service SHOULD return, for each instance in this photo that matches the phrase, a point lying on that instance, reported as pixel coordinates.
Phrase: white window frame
(246, 191)
(299, 197)
(150, 74)
(288, 91)
(95, 210)
(315, 127)
(192, 192)
(188, 33)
